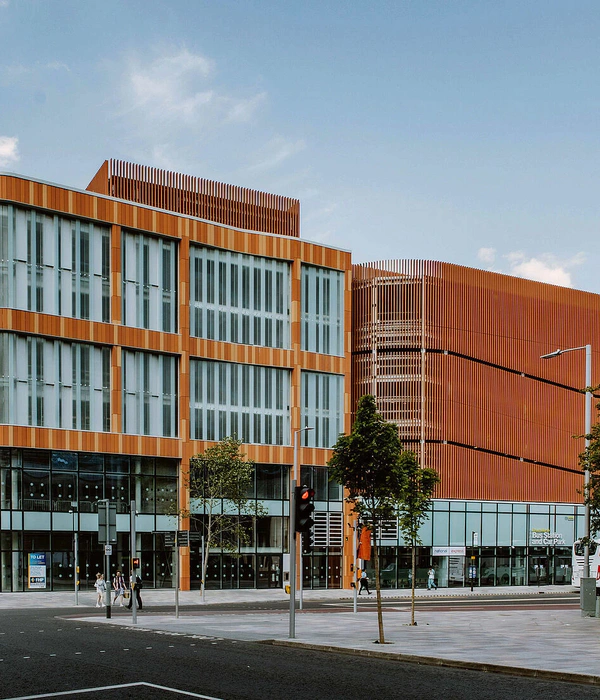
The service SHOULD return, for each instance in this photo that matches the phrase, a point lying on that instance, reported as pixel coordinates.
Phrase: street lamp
(588, 429)
(73, 511)
(292, 534)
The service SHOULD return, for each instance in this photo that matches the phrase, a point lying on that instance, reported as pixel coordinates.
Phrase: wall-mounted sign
(449, 551)
(37, 570)
(545, 537)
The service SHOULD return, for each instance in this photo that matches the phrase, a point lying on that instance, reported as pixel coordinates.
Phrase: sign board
(37, 570)
(472, 572)
(108, 549)
(183, 538)
(545, 538)
(107, 522)
(169, 539)
(449, 551)
(475, 539)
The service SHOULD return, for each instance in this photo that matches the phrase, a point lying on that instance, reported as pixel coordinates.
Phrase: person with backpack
(119, 587)
(136, 586)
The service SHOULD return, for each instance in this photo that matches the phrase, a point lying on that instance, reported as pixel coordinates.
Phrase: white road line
(115, 687)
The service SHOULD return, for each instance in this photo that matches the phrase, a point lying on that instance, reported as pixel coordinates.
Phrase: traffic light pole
(132, 571)
(292, 548)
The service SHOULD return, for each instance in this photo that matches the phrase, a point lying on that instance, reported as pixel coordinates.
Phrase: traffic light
(135, 563)
(307, 542)
(304, 508)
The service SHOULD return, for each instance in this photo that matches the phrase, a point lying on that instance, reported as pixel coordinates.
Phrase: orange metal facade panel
(453, 356)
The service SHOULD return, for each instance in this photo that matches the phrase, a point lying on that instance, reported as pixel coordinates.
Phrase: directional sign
(183, 538)
(169, 539)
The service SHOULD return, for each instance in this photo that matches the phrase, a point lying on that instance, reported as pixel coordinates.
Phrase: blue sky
(463, 131)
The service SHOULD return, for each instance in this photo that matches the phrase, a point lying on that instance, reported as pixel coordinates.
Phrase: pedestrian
(364, 583)
(431, 579)
(136, 586)
(119, 587)
(100, 586)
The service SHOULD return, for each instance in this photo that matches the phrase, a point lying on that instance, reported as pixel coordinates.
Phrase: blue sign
(37, 570)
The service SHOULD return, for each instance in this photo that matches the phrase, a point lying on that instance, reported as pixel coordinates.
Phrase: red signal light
(307, 494)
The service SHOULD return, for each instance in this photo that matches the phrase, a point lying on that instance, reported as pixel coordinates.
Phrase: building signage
(37, 570)
(545, 537)
(449, 551)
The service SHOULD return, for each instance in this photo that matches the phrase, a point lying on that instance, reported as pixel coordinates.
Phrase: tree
(367, 463)
(219, 481)
(590, 459)
(414, 508)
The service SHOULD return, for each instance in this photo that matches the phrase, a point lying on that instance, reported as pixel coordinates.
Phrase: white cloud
(57, 65)
(487, 255)
(4, 3)
(276, 151)
(8, 150)
(177, 87)
(544, 268)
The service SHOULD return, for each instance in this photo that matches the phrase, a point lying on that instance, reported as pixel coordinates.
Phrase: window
(251, 402)
(322, 326)
(239, 298)
(322, 408)
(149, 394)
(55, 384)
(149, 282)
(54, 265)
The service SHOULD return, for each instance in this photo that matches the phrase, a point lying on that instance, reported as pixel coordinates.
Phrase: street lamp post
(292, 534)
(586, 477)
(73, 511)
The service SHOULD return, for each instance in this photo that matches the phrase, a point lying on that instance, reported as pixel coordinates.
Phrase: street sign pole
(132, 572)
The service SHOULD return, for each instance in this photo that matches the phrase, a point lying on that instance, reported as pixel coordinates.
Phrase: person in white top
(100, 586)
(431, 579)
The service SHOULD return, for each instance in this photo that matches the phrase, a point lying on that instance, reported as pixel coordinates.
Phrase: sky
(465, 131)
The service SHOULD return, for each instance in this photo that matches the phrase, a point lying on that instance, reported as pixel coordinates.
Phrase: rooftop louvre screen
(229, 205)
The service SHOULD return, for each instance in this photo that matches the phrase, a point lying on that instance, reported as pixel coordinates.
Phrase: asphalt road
(43, 651)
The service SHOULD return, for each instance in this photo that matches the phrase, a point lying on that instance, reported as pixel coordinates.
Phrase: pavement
(555, 642)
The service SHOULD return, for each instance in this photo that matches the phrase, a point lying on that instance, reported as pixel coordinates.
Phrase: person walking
(136, 586)
(100, 586)
(431, 579)
(364, 583)
(118, 587)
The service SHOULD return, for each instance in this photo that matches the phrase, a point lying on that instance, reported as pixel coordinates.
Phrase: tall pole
(588, 429)
(132, 572)
(355, 550)
(586, 478)
(292, 548)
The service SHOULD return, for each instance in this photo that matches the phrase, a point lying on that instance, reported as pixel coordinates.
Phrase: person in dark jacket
(136, 587)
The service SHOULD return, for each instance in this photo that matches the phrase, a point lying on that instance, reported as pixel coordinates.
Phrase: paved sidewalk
(554, 642)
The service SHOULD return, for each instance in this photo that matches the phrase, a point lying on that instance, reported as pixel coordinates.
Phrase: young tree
(219, 481)
(367, 464)
(590, 459)
(414, 508)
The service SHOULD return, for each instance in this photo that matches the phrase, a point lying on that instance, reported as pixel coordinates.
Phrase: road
(49, 651)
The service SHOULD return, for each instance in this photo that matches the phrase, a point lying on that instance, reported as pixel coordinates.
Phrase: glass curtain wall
(54, 383)
(322, 408)
(149, 394)
(322, 328)
(239, 298)
(249, 402)
(149, 282)
(54, 265)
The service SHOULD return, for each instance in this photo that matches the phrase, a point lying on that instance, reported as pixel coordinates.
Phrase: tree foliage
(367, 463)
(590, 459)
(219, 481)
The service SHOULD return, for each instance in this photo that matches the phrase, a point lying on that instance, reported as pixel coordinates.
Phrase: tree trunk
(378, 590)
(413, 577)
(206, 549)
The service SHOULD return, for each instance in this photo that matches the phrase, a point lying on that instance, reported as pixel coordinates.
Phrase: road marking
(115, 687)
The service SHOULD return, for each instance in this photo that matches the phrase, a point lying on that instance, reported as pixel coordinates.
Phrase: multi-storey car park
(153, 314)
